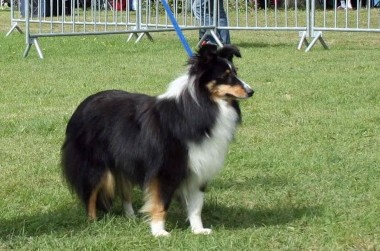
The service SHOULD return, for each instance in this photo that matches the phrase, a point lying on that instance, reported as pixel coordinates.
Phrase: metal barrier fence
(46, 18)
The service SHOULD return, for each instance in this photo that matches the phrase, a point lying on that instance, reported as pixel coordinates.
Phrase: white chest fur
(206, 158)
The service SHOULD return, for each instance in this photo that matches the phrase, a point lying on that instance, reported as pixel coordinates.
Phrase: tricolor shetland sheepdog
(172, 144)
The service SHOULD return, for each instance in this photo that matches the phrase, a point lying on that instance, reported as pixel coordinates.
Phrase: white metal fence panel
(310, 18)
(354, 16)
(266, 14)
(78, 17)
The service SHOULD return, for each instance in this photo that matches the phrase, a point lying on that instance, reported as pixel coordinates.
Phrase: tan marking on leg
(107, 185)
(155, 207)
(91, 207)
(153, 203)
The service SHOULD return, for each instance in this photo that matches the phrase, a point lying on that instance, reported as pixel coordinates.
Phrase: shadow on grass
(64, 221)
(243, 218)
(70, 218)
(248, 183)
(60, 220)
(235, 216)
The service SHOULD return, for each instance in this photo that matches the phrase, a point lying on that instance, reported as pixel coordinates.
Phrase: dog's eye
(226, 74)
(233, 73)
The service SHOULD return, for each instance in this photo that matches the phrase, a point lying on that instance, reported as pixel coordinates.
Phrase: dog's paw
(161, 233)
(204, 231)
(129, 214)
(128, 210)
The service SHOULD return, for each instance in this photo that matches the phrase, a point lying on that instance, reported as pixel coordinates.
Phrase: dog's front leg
(194, 202)
(154, 205)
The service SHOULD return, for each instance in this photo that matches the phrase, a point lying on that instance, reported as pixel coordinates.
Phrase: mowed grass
(302, 174)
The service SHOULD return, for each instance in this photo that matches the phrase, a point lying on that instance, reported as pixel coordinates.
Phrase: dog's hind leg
(125, 189)
(91, 205)
(104, 190)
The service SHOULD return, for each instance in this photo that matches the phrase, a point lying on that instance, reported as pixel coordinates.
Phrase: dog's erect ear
(207, 52)
(228, 52)
(204, 56)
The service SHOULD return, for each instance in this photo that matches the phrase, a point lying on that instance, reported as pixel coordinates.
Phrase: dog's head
(215, 71)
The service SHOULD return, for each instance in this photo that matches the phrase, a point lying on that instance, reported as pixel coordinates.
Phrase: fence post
(310, 32)
(14, 24)
(307, 33)
(317, 36)
(28, 39)
(138, 24)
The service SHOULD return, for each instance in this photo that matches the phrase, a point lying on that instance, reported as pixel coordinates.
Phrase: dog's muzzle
(248, 89)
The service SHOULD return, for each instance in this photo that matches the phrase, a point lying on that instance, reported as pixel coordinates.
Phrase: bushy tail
(87, 180)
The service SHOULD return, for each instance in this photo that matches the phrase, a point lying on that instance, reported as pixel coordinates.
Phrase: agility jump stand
(310, 33)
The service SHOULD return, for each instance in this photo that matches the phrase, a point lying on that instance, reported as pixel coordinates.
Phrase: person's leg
(349, 5)
(132, 4)
(342, 4)
(201, 10)
(224, 35)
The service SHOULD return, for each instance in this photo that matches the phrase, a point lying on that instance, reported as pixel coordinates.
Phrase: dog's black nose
(250, 92)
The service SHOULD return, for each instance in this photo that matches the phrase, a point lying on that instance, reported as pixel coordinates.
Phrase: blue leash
(177, 29)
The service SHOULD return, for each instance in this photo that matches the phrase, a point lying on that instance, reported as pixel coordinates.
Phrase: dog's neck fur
(178, 86)
(206, 156)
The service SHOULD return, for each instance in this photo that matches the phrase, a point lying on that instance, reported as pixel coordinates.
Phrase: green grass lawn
(302, 174)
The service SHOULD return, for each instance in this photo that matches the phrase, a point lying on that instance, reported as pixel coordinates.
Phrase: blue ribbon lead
(177, 29)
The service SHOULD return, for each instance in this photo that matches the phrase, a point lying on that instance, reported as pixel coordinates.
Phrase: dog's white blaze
(206, 158)
(229, 65)
(245, 85)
